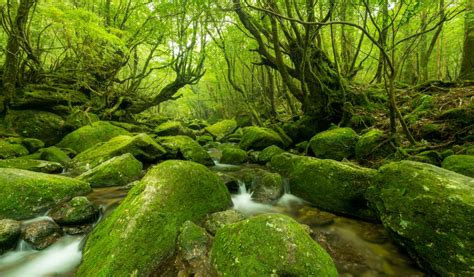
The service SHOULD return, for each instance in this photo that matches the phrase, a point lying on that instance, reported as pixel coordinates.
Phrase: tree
(467, 65)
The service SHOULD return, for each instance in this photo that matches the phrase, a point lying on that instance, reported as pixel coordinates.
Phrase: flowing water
(358, 248)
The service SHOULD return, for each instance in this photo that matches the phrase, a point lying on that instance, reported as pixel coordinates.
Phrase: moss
(173, 128)
(372, 145)
(77, 211)
(269, 245)
(463, 164)
(11, 150)
(222, 129)
(10, 231)
(192, 241)
(428, 211)
(54, 154)
(117, 171)
(431, 157)
(32, 165)
(268, 153)
(421, 106)
(267, 187)
(216, 221)
(141, 146)
(336, 144)
(205, 139)
(463, 116)
(90, 135)
(140, 234)
(32, 144)
(232, 155)
(259, 138)
(25, 193)
(187, 148)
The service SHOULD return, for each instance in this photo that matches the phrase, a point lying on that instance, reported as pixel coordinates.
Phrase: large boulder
(42, 234)
(173, 128)
(222, 129)
(336, 144)
(32, 165)
(25, 194)
(268, 153)
(54, 154)
(231, 155)
(46, 126)
(141, 146)
(77, 211)
(428, 210)
(330, 185)
(269, 245)
(117, 171)
(186, 148)
(90, 135)
(140, 235)
(373, 144)
(259, 138)
(10, 231)
(463, 164)
(11, 150)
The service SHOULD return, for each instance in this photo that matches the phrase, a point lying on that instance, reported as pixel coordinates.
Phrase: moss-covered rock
(11, 150)
(186, 148)
(141, 146)
(462, 116)
(336, 144)
(117, 171)
(46, 126)
(90, 135)
(428, 210)
(231, 155)
(42, 234)
(78, 210)
(330, 185)
(216, 221)
(268, 153)
(10, 231)
(173, 128)
(463, 164)
(266, 186)
(372, 145)
(25, 193)
(222, 129)
(32, 165)
(140, 235)
(205, 139)
(259, 138)
(54, 154)
(32, 144)
(269, 245)
(78, 119)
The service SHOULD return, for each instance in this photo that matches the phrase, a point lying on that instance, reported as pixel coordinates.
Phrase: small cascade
(243, 203)
(288, 200)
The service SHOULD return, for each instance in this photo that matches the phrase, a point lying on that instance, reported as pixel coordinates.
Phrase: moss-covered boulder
(10, 231)
(117, 171)
(78, 119)
(54, 154)
(77, 211)
(231, 155)
(32, 144)
(222, 129)
(372, 145)
(216, 221)
(32, 165)
(46, 126)
(333, 186)
(141, 146)
(259, 138)
(140, 235)
(186, 148)
(268, 153)
(25, 194)
(173, 128)
(336, 144)
(428, 210)
(11, 150)
(90, 135)
(463, 164)
(269, 245)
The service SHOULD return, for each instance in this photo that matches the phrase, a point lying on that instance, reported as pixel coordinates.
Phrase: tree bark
(467, 65)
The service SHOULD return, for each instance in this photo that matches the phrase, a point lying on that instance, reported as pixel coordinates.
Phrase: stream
(358, 248)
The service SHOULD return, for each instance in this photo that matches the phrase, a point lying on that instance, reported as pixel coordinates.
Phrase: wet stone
(314, 217)
(10, 231)
(75, 212)
(42, 234)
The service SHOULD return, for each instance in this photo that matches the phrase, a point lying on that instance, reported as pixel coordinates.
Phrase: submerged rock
(117, 171)
(10, 231)
(90, 135)
(42, 234)
(187, 148)
(77, 211)
(11, 150)
(428, 210)
(222, 129)
(232, 155)
(141, 146)
(32, 165)
(259, 138)
(216, 221)
(269, 245)
(336, 144)
(330, 185)
(25, 194)
(140, 235)
(463, 164)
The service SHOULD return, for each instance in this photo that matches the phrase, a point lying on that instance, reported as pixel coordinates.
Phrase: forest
(236, 138)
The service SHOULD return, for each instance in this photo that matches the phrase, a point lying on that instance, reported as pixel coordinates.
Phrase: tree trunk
(467, 65)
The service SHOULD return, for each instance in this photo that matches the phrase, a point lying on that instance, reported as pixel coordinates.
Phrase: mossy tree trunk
(467, 66)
